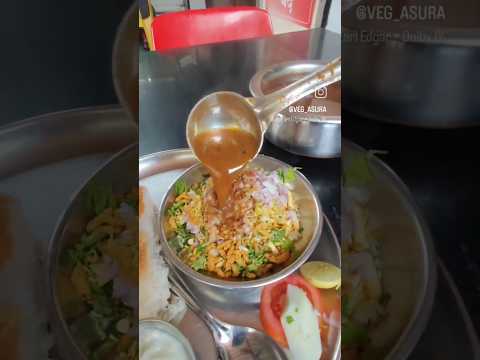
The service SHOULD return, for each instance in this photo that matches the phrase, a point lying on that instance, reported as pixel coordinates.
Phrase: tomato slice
(273, 301)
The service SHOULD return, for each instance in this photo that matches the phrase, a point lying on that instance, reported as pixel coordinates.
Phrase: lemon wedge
(322, 275)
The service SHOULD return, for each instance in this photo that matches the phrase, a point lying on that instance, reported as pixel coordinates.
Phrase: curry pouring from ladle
(225, 129)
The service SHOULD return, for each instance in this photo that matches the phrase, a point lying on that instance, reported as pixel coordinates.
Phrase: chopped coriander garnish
(177, 243)
(290, 319)
(180, 187)
(288, 245)
(176, 208)
(100, 197)
(181, 238)
(279, 239)
(183, 232)
(257, 259)
(201, 248)
(199, 263)
(278, 236)
(252, 267)
(287, 175)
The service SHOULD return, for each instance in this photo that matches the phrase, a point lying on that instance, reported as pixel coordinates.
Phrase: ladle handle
(181, 289)
(269, 105)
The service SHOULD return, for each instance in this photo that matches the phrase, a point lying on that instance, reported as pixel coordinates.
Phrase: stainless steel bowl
(310, 214)
(414, 73)
(309, 134)
(408, 256)
(121, 172)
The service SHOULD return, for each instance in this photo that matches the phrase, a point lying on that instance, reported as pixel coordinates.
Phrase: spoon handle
(269, 105)
(180, 286)
(181, 289)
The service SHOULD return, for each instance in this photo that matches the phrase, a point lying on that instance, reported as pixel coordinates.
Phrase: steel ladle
(225, 109)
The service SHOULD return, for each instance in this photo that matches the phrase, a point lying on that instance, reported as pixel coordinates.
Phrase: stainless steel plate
(44, 159)
(66, 134)
(157, 172)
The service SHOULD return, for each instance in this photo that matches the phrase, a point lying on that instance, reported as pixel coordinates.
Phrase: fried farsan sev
(255, 232)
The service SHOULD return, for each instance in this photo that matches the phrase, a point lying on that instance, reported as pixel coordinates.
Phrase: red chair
(198, 27)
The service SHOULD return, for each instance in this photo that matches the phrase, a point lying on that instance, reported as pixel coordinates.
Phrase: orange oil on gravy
(225, 152)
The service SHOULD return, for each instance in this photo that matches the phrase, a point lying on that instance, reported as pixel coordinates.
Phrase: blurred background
(60, 55)
(308, 13)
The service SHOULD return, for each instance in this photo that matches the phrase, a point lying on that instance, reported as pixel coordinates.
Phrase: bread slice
(155, 297)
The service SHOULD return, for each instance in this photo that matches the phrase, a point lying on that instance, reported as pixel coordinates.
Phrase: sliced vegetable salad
(303, 319)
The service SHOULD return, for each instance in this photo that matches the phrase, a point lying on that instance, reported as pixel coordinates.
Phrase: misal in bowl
(261, 231)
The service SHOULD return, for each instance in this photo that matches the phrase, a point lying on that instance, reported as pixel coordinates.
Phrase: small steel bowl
(308, 134)
(310, 215)
(164, 326)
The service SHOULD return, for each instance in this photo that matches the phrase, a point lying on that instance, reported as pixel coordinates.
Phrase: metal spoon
(233, 341)
(225, 109)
